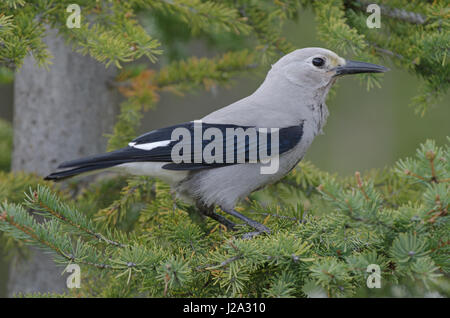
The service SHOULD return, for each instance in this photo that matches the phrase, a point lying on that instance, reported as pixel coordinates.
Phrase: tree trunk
(60, 114)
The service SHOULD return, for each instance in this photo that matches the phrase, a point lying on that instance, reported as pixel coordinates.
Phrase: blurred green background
(365, 129)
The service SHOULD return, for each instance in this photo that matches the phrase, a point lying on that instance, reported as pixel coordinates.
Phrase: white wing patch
(150, 145)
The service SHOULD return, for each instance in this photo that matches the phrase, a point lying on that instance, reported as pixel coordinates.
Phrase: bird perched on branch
(242, 147)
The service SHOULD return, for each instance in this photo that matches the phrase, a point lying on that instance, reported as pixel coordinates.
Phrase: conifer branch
(360, 185)
(42, 200)
(395, 13)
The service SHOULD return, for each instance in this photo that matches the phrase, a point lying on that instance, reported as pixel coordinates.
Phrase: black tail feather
(97, 162)
(61, 175)
(103, 161)
(118, 155)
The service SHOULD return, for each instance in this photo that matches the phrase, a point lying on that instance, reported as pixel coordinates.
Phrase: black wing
(157, 146)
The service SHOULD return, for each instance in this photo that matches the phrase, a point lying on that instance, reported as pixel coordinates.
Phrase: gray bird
(291, 99)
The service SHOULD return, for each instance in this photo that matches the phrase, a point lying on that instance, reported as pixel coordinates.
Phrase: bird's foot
(250, 235)
(260, 228)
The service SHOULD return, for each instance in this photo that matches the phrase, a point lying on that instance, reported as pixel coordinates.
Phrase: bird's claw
(250, 235)
(258, 227)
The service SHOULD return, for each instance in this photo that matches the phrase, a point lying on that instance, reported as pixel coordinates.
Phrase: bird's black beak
(355, 67)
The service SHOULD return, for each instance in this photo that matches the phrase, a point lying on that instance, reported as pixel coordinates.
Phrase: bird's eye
(317, 61)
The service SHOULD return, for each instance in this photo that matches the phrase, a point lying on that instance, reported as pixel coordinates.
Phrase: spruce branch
(394, 13)
(43, 200)
(200, 16)
(18, 223)
(430, 165)
(360, 185)
(137, 188)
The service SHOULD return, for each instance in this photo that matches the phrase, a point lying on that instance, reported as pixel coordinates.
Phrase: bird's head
(316, 68)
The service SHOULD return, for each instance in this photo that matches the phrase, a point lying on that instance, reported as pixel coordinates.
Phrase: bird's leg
(257, 226)
(209, 212)
(174, 205)
(230, 225)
